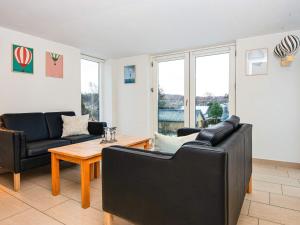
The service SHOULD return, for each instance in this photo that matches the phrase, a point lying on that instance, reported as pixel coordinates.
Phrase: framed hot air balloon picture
(22, 59)
(54, 65)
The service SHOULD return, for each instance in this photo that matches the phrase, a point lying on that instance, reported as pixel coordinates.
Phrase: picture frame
(129, 74)
(257, 62)
(54, 65)
(22, 59)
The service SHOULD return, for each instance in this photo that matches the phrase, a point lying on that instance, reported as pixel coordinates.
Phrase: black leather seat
(80, 138)
(41, 147)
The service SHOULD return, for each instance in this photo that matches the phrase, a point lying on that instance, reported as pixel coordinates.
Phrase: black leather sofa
(26, 137)
(203, 183)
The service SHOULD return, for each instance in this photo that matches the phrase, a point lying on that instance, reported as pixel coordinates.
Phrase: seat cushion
(215, 134)
(41, 147)
(33, 124)
(55, 123)
(80, 138)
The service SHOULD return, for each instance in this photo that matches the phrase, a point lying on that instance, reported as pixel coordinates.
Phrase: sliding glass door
(194, 89)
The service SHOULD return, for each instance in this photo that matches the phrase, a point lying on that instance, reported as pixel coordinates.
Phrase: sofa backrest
(33, 124)
(55, 123)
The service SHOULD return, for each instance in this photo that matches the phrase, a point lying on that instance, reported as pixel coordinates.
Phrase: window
(90, 80)
(170, 96)
(194, 89)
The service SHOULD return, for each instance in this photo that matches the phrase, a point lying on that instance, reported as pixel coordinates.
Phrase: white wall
(270, 102)
(131, 107)
(20, 92)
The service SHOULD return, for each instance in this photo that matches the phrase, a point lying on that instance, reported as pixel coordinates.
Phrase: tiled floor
(275, 199)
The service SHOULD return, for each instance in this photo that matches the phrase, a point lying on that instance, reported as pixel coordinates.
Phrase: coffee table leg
(97, 169)
(55, 174)
(85, 183)
(92, 171)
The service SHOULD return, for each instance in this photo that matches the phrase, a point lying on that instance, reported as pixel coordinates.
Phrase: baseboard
(277, 163)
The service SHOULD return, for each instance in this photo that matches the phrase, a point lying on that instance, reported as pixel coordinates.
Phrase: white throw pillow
(75, 125)
(171, 144)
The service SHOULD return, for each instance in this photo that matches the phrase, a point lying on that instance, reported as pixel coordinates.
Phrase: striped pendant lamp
(279, 52)
(290, 43)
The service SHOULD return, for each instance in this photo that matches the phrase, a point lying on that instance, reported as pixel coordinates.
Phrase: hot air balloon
(290, 44)
(279, 52)
(287, 48)
(54, 57)
(23, 56)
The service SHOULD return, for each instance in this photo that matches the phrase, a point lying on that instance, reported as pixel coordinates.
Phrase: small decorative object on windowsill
(287, 49)
(109, 131)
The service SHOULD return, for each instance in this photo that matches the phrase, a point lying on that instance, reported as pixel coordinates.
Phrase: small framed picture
(129, 74)
(257, 62)
(22, 59)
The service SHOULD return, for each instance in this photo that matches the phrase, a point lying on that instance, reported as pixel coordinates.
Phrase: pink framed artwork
(54, 65)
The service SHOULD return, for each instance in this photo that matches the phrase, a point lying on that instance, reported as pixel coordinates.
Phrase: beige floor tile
(264, 222)
(285, 201)
(39, 198)
(270, 170)
(74, 192)
(10, 205)
(294, 173)
(247, 220)
(71, 213)
(259, 196)
(6, 182)
(245, 207)
(266, 186)
(277, 179)
(96, 183)
(44, 180)
(291, 191)
(72, 173)
(120, 221)
(30, 217)
(274, 214)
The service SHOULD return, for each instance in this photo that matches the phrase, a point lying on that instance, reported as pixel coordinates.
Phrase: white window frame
(158, 59)
(232, 89)
(190, 77)
(100, 79)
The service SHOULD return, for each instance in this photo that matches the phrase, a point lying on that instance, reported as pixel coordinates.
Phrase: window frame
(100, 83)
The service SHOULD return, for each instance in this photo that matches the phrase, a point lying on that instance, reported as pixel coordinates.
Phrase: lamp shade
(290, 43)
(279, 52)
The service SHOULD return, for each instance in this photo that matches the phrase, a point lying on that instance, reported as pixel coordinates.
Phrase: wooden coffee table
(88, 156)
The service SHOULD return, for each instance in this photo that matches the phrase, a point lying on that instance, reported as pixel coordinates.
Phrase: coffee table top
(90, 149)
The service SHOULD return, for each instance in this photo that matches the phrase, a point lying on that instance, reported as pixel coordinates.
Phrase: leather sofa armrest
(187, 131)
(12, 149)
(96, 128)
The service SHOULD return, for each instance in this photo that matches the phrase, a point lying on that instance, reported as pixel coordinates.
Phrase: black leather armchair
(198, 185)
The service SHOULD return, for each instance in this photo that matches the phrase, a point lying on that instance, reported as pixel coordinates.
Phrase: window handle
(186, 102)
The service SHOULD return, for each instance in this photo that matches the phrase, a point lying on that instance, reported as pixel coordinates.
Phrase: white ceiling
(118, 28)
